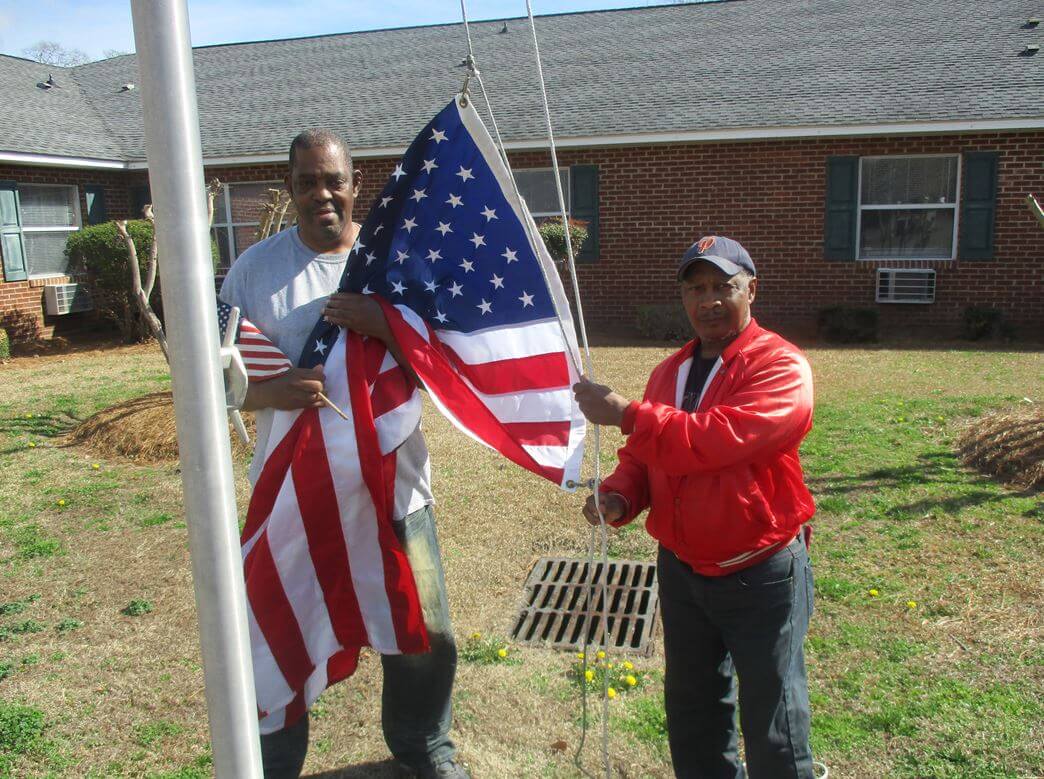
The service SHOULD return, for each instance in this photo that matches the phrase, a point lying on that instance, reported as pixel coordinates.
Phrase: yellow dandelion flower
(95, 466)
(579, 655)
(631, 681)
(600, 655)
(476, 635)
(28, 416)
(912, 604)
(610, 665)
(501, 653)
(31, 444)
(874, 593)
(628, 665)
(61, 501)
(611, 692)
(589, 675)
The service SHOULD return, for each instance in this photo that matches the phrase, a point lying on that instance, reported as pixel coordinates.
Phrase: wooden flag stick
(331, 404)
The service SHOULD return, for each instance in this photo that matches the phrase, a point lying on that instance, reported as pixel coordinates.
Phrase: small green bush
(103, 256)
(979, 322)
(663, 322)
(5, 345)
(843, 324)
(553, 236)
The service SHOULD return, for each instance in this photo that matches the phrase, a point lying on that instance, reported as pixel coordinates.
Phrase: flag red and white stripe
(324, 572)
(263, 360)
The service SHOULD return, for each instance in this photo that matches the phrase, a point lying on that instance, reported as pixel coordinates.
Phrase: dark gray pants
(750, 624)
(415, 703)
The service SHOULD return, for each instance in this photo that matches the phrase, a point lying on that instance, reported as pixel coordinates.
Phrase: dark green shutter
(11, 243)
(95, 197)
(842, 208)
(978, 206)
(583, 205)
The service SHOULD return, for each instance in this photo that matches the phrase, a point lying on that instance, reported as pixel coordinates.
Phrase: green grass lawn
(925, 655)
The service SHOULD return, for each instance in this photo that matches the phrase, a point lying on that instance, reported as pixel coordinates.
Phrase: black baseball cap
(720, 251)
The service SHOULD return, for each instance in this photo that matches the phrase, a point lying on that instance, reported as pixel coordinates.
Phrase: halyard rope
(600, 532)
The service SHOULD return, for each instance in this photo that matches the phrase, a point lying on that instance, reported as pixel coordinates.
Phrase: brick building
(872, 155)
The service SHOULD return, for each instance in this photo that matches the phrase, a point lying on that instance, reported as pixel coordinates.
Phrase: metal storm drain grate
(555, 609)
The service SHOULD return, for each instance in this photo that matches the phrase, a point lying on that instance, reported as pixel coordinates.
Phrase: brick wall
(769, 195)
(21, 302)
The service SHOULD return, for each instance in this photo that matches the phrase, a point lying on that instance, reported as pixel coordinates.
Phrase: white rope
(533, 237)
(601, 530)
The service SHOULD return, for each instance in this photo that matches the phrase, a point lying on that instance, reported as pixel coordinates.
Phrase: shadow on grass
(385, 769)
(40, 426)
(949, 485)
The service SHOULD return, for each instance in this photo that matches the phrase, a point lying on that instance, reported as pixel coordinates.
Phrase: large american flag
(477, 306)
(475, 303)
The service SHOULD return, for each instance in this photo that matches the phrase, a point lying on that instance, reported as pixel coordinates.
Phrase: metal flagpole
(172, 144)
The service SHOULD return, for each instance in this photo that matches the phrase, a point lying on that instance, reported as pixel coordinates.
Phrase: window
(49, 213)
(908, 207)
(237, 215)
(537, 187)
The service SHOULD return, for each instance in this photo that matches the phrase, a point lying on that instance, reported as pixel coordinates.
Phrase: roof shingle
(736, 64)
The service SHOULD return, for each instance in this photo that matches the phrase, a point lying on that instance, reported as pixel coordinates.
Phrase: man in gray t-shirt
(283, 285)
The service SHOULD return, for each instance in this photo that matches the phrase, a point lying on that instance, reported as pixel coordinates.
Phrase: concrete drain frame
(554, 612)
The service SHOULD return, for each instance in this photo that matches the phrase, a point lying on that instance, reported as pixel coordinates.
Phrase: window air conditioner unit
(905, 285)
(67, 299)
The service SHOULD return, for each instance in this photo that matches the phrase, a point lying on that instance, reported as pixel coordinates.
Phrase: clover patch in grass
(67, 625)
(21, 733)
(137, 608)
(30, 543)
(17, 606)
(20, 628)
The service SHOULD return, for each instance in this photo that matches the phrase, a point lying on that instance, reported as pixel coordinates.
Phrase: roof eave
(588, 141)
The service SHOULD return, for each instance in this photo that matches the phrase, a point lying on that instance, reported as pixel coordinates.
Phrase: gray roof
(710, 66)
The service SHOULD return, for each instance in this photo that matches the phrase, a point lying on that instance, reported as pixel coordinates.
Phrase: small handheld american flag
(262, 358)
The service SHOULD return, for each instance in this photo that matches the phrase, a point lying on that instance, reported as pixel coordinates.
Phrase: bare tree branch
(140, 298)
(53, 53)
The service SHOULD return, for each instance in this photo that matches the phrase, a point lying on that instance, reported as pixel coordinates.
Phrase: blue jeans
(416, 710)
(749, 624)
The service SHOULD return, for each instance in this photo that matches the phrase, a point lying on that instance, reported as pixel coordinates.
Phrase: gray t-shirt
(281, 286)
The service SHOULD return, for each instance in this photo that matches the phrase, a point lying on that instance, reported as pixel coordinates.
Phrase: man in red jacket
(712, 452)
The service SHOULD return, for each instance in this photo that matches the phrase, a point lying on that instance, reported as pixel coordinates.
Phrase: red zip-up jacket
(723, 484)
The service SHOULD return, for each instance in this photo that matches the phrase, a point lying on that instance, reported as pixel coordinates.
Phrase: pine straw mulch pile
(1008, 444)
(141, 430)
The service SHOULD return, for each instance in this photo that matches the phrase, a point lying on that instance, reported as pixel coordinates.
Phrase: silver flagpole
(172, 144)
